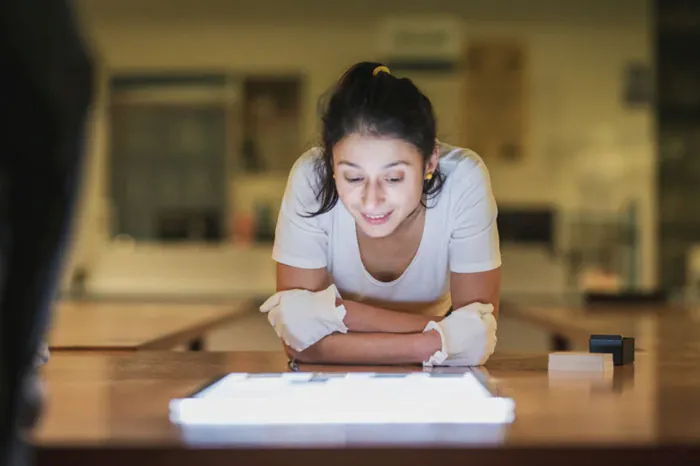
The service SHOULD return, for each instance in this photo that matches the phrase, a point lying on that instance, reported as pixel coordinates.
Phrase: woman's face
(379, 180)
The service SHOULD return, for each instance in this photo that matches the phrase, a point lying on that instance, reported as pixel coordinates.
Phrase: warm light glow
(367, 398)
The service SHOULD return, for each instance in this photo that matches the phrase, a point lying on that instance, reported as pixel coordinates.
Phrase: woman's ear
(432, 163)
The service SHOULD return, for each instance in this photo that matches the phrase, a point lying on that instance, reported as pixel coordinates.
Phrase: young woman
(382, 231)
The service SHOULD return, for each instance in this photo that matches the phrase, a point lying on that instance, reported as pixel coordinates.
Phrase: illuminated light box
(343, 398)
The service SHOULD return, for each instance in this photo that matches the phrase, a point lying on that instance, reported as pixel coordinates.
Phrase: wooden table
(130, 326)
(116, 407)
(571, 325)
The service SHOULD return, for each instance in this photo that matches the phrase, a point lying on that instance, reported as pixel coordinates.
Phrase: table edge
(351, 455)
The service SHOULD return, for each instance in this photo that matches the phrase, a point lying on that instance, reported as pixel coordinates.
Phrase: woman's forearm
(371, 349)
(362, 317)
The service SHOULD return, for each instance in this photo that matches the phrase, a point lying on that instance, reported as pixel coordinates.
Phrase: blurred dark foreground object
(46, 90)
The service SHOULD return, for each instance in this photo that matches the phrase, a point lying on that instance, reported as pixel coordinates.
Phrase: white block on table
(575, 361)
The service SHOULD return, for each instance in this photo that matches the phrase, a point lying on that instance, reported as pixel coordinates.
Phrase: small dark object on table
(622, 348)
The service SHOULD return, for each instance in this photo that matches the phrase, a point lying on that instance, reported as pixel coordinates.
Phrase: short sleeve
(474, 240)
(301, 241)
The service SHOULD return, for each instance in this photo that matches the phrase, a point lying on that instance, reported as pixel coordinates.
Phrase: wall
(577, 54)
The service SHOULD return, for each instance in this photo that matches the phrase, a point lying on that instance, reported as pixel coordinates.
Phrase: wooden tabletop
(95, 325)
(577, 322)
(113, 409)
(641, 414)
(96, 399)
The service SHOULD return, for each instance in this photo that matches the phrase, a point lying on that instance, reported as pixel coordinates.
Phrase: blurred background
(586, 113)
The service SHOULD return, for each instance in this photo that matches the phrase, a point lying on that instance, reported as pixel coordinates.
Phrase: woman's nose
(373, 196)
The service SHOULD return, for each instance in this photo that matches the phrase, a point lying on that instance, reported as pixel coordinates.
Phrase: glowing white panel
(353, 398)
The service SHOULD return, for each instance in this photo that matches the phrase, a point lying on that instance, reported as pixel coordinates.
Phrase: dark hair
(377, 104)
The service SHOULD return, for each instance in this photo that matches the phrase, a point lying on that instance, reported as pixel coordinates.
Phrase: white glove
(468, 336)
(302, 317)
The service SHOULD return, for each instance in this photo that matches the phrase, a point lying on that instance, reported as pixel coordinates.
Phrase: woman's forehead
(362, 151)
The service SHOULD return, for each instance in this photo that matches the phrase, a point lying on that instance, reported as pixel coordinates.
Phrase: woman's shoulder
(465, 173)
(456, 162)
(467, 193)
(303, 176)
(305, 180)
(304, 167)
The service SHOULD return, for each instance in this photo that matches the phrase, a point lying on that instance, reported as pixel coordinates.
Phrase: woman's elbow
(308, 356)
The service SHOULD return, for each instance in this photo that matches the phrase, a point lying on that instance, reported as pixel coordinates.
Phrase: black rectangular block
(622, 348)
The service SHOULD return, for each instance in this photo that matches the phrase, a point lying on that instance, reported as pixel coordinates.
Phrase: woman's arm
(388, 348)
(295, 278)
(365, 318)
(370, 349)
(359, 317)
(481, 287)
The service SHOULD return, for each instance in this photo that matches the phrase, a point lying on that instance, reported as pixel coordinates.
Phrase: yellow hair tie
(380, 69)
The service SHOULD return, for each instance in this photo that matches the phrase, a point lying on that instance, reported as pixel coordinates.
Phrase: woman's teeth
(376, 219)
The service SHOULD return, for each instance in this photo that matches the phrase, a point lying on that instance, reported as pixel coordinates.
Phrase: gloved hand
(302, 317)
(468, 336)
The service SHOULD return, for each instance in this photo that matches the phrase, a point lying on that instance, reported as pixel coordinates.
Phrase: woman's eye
(353, 180)
(394, 179)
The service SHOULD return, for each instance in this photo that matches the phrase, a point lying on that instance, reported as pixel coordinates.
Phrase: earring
(429, 176)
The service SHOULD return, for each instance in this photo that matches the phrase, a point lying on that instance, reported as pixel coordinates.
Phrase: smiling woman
(381, 231)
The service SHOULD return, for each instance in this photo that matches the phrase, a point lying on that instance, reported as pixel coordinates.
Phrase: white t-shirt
(460, 235)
